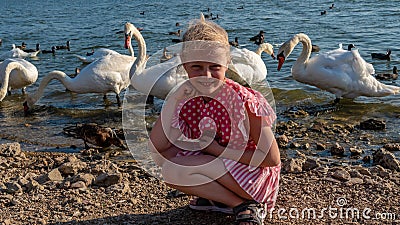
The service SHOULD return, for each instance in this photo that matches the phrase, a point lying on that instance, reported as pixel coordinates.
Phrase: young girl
(214, 138)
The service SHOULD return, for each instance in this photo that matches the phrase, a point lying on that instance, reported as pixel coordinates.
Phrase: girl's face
(206, 77)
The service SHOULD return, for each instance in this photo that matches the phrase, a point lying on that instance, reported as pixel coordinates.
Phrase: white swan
(101, 52)
(18, 53)
(107, 74)
(15, 74)
(341, 72)
(249, 64)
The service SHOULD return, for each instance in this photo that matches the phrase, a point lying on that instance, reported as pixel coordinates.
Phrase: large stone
(355, 151)
(11, 150)
(354, 181)
(293, 165)
(282, 141)
(372, 124)
(53, 175)
(105, 179)
(386, 159)
(71, 168)
(341, 175)
(310, 164)
(13, 187)
(336, 149)
(78, 185)
(392, 147)
(363, 171)
(87, 178)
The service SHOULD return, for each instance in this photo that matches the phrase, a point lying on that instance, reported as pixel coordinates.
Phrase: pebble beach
(325, 178)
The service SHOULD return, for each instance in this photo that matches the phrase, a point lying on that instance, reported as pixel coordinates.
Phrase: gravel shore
(327, 178)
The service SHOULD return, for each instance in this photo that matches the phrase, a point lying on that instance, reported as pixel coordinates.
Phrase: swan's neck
(140, 61)
(59, 75)
(259, 51)
(306, 51)
(130, 49)
(6, 77)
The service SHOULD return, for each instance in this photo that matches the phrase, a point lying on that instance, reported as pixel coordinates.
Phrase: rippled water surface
(371, 25)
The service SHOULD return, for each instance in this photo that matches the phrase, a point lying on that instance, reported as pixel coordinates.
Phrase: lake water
(371, 25)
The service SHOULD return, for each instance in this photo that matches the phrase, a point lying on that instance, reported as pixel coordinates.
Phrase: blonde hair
(204, 30)
(205, 41)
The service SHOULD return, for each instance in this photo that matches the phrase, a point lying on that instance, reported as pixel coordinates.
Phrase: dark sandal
(204, 204)
(256, 215)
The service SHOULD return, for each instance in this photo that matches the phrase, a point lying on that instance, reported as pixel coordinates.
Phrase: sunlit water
(371, 25)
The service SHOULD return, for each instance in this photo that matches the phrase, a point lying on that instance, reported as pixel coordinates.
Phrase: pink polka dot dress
(225, 114)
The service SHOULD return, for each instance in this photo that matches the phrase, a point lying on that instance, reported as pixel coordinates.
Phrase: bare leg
(204, 176)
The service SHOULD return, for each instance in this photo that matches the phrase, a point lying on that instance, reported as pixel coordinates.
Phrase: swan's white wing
(249, 65)
(19, 78)
(101, 52)
(14, 53)
(160, 79)
(345, 74)
(361, 66)
(109, 73)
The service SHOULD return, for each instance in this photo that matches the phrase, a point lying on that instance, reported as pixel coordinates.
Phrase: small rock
(294, 145)
(367, 159)
(354, 181)
(380, 171)
(13, 187)
(354, 151)
(33, 185)
(310, 164)
(293, 165)
(320, 146)
(7, 222)
(355, 174)
(341, 174)
(363, 171)
(78, 184)
(282, 141)
(11, 150)
(392, 147)
(306, 146)
(372, 124)
(336, 149)
(87, 178)
(72, 167)
(105, 179)
(55, 175)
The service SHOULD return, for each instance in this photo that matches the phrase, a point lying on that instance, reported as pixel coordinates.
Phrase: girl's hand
(184, 91)
(206, 141)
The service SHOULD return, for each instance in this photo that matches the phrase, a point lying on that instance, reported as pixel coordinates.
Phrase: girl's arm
(266, 154)
(163, 134)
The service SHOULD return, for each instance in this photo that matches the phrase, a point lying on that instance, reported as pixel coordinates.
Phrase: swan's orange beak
(281, 60)
(127, 40)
